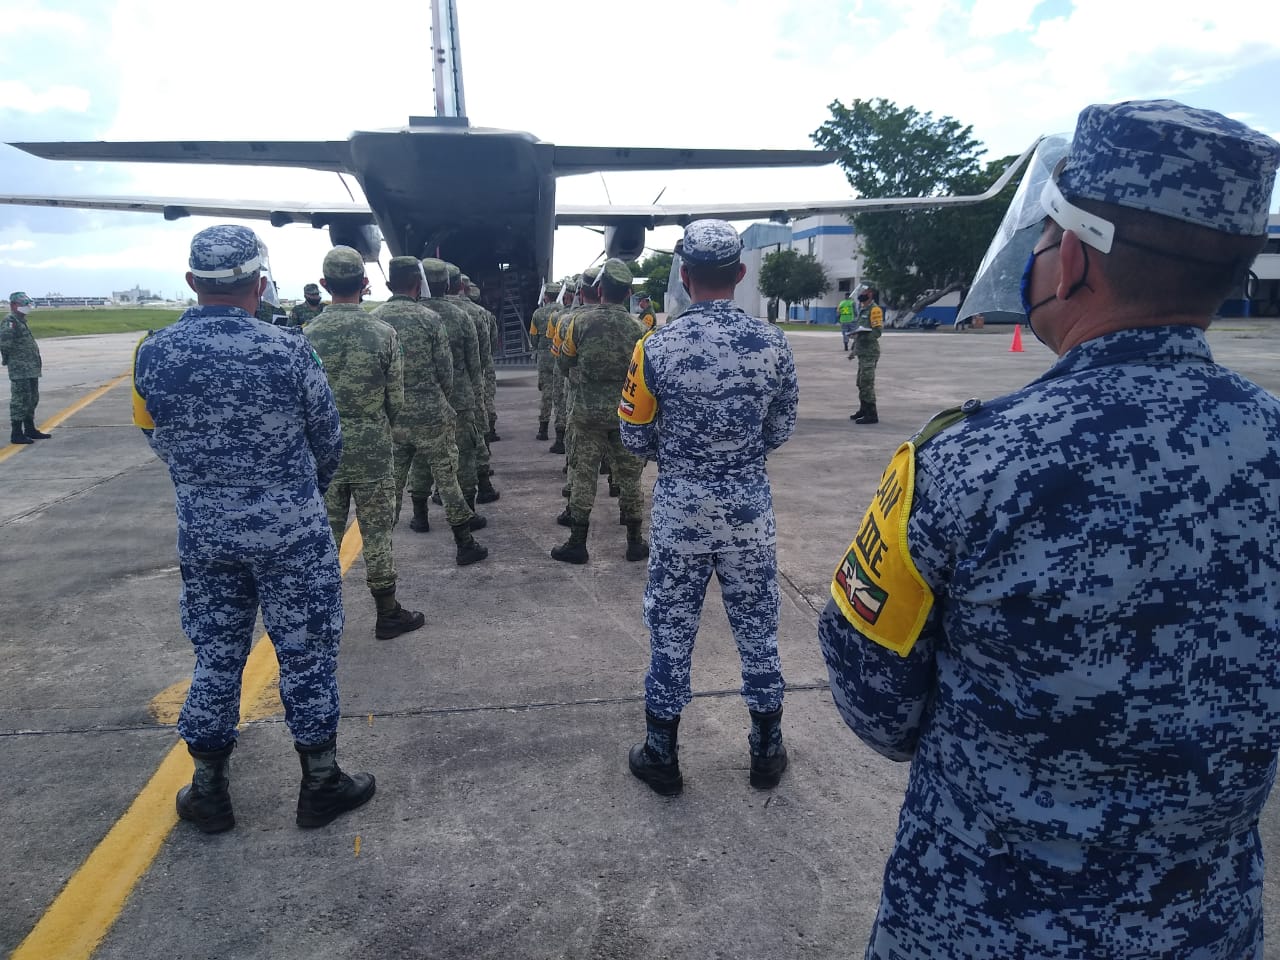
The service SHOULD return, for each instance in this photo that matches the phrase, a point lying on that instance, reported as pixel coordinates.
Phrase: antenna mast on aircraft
(450, 98)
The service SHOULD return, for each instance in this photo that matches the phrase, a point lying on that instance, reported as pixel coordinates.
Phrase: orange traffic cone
(1016, 346)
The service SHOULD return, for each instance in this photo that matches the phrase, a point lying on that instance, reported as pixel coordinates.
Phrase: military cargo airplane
(483, 198)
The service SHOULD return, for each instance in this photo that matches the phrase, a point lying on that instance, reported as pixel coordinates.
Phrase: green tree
(792, 277)
(887, 151)
(657, 269)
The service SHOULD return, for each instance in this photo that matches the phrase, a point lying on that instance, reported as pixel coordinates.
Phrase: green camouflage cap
(19, 297)
(617, 271)
(437, 271)
(402, 271)
(342, 263)
(455, 272)
(589, 275)
(311, 288)
(552, 287)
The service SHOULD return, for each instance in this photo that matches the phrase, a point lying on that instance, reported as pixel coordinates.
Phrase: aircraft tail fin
(451, 99)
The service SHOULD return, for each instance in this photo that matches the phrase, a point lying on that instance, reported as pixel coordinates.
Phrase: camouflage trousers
(558, 399)
(490, 395)
(590, 444)
(427, 459)
(375, 504)
(867, 379)
(467, 440)
(983, 903)
(299, 588)
(673, 601)
(24, 397)
(550, 404)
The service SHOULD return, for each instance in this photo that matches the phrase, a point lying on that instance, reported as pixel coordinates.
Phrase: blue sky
(737, 73)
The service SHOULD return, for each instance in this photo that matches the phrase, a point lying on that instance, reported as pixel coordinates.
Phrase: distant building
(830, 238)
(58, 300)
(136, 295)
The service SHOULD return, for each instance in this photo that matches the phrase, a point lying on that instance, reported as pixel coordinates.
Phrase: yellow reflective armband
(877, 586)
(141, 418)
(638, 405)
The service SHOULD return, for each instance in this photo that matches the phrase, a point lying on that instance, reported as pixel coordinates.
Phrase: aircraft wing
(658, 215)
(328, 155)
(174, 208)
(573, 160)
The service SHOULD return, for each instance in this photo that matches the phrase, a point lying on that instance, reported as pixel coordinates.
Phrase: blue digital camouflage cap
(342, 263)
(226, 253)
(712, 243)
(437, 270)
(1167, 158)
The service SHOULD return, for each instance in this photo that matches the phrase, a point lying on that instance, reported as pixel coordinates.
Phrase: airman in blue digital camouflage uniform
(708, 396)
(242, 415)
(1063, 605)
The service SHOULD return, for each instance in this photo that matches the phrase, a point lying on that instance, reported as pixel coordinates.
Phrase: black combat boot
(16, 435)
(768, 755)
(206, 802)
(565, 519)
(574, 550)
(558, 446)
(469, 551)
(29, 428)
(436, 498)
(542, 430)
(868, 415)
(393, 619)
(637, 548)
(855, 415)
(477, 521)
(492, 435)
(326, 791)
(420, 523)
(487, 493)
(657, 760)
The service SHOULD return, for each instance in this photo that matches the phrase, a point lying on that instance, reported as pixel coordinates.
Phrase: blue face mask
(1024, 288)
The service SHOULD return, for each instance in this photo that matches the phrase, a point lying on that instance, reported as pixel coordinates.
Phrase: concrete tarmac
(506, 823)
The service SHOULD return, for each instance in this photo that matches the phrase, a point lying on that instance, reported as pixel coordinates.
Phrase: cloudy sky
(698, 73)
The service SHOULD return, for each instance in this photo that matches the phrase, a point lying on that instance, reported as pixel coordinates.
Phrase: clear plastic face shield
(997, 286)
(677, 300)
(542, 295)
(425, 292)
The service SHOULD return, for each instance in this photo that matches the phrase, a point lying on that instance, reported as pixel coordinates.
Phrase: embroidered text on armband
(877, 586)
(637, 405)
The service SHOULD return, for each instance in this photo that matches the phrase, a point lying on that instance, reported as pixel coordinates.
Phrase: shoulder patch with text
(877, 586)
(638, 405)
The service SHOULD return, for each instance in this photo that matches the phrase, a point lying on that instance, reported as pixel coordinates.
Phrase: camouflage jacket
(303, 313)
(365, 367)
(428, 363)
(599, 344)
(18, 348)
(1091, 675)
(708, 396)
(539, 333)
(269, 313)
(465, 347)
(866, 343)
(484, 334)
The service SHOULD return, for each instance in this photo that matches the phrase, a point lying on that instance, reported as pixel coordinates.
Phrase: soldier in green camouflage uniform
(540, 340)
(866, 347)
(20, 353)
(557, 380)
(423, 435)
(365, 368)
(485, 493)
(598, 348)
(310, 307)
(491, 371)
(466, 372)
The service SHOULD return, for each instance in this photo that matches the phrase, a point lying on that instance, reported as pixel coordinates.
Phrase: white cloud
(17, 245)
(17, 95)
(29, 23)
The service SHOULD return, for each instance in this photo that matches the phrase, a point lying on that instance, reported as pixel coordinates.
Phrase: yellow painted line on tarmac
(62, 415)
(84, 911)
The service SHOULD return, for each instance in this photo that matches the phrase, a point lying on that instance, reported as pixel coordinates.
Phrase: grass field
(50, 322)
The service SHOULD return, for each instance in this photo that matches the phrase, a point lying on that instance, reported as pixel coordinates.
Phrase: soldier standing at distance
(365, 367)
(866, 348)
(709, 396)
(598, 346)
(241, 414)
(310, 307)
(485, 492)
(645, 313)
(491, 372)
(465, 348)
(540, 340)
(557, 379)
(21, 354)
(423, 435)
